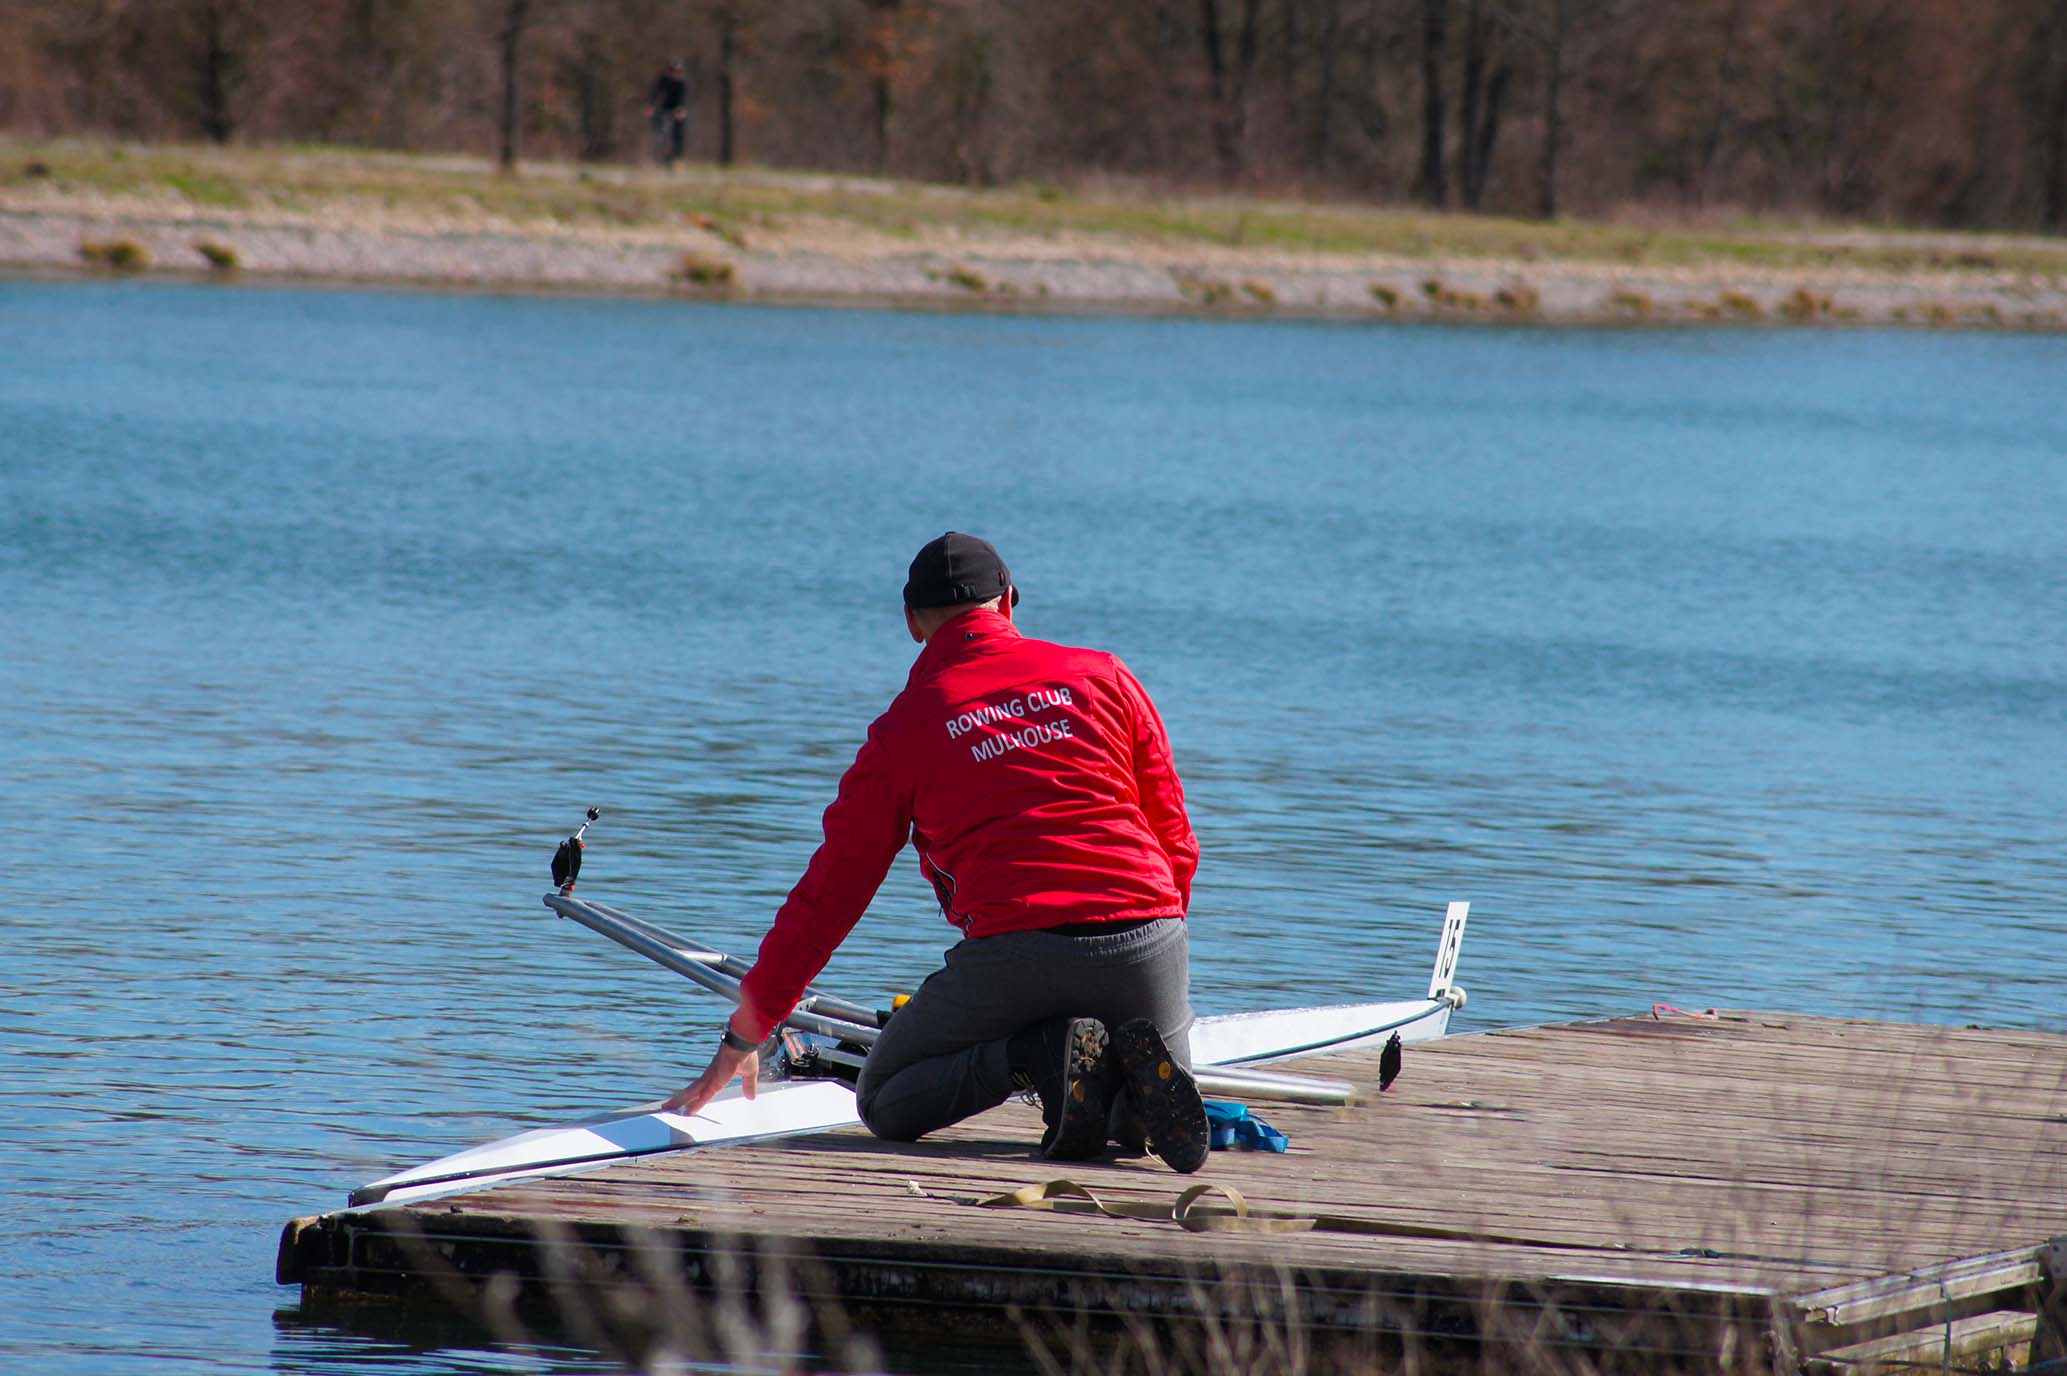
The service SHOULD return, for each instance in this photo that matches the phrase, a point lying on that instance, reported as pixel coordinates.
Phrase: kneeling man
(1035, 783)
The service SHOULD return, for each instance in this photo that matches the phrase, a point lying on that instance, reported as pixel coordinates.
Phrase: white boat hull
(788, 1108)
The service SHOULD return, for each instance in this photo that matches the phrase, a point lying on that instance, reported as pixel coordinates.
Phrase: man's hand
(726, 1064)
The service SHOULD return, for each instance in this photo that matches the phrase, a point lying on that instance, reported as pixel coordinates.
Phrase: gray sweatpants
(942, 1057)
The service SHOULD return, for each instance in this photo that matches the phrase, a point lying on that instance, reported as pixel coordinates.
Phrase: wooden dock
(1667, 1192)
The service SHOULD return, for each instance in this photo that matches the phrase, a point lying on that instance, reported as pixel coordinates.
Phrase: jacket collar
(959, 638)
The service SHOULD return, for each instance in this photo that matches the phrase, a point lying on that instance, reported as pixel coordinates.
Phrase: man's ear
(911, 623)
(1008, 602)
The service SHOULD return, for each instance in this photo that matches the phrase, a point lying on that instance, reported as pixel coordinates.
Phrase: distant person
(1035, 783)
(667, 107)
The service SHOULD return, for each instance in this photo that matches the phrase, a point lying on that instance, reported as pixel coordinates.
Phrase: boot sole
(1079, 1132)
(1165, 1096)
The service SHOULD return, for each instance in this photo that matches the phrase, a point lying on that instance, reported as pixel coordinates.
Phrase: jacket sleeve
(866, 826)
(1161, 792)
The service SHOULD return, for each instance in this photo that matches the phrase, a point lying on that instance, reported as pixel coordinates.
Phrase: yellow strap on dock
(1067, 1196)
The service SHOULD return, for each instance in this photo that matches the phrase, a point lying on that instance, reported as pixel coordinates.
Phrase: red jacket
(1035, 782)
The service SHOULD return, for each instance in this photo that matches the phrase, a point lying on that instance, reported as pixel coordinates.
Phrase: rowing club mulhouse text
(1013, 709)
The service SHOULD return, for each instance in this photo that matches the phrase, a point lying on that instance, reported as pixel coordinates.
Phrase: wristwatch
(736, 1042)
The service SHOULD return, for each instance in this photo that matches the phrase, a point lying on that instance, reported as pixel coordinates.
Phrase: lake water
(1718, 667)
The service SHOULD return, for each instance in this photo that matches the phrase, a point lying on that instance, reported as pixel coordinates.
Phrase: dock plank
(1636, 1167)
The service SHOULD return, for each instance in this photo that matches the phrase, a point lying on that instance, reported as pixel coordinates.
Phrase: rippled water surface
(1721, 667)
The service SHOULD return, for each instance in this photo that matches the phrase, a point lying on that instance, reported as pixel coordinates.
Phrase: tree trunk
(1216, 78)
(1245, 64)
(1433, 186)
(1319, 147)
(2053, 131)
(2055, 212)
(218, 74)
(1372, 111)
(1719, 117)
(516, 14)
(967, 72)
(1228, 82)
(881, 111)
(1487, 134)
(728, 93)
(595, 108)
(1470, 97)
(1290, 38)
(883, 39)
(1553, 111)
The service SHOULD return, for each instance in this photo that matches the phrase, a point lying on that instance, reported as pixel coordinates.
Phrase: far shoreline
(364, 221)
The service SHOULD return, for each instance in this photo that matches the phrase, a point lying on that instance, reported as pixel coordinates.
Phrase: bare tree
(1482, 98)
(586, 70)
(726, 19)
(1321, 128)
(205, 51)
(880, 59)
(1720, 109)
(2045, 98)
(969, 72)
(1553, 108)
(516, 18)
(1433, 184)
(1228, 67)
(1557, 28)
(220, 69)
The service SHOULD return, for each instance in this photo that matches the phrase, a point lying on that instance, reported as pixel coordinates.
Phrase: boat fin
(1443, 985)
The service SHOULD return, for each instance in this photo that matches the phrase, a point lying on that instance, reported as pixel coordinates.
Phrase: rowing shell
(1223, 1050)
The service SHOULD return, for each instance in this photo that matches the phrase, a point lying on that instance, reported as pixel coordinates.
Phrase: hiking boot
(1163, 1094)
(1063, 1062)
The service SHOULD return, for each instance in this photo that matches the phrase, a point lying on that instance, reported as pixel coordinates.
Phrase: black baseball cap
(954, 569)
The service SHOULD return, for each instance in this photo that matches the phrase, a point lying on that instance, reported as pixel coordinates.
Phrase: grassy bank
(348, 182)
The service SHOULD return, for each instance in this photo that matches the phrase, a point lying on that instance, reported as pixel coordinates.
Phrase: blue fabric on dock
(1231, 1126)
